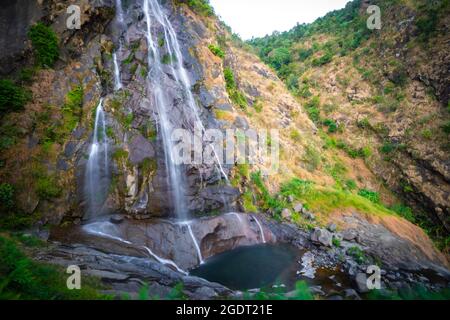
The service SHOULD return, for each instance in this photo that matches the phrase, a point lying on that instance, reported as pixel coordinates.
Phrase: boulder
(332, 227)
(298, 208)
(116, 219)
(361, 283)
(349, 234)
(286, 213)
(322, 236)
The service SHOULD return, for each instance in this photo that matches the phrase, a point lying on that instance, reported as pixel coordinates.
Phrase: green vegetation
(312, 108)
(6, 197)
(357, 254)
(236, 96)
(47, 187)
(418, 292)
(216, 50)
(202, 7)
(371, 195)
(301, 292)
(22, 278)
(45, 44)
(12, 97)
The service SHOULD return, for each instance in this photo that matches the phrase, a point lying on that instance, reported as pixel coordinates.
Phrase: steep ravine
(136, 236)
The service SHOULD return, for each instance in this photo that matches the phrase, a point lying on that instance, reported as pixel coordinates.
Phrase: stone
(241, 123)
(351, 294)
(332, 227)
(361, 283)
(322, 236)
(309, 216)
(140, 149)
(349, 235)
(116, 219)
(225, 107)
(290, 199)
(286, 214)
(298, 208)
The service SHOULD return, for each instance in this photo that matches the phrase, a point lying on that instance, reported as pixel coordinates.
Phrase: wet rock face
(174, 241)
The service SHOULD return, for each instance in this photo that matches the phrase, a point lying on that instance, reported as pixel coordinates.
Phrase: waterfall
(261, 230)
(197, 247)
(117, 81)
(165, 261)
(154, 13)
(119, 11)
(159, 95)
(97, 169)
(180, 73)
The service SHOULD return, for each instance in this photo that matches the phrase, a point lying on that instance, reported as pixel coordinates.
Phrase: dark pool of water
(260, 266)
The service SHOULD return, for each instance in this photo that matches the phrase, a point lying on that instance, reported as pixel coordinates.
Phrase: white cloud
(256, 18)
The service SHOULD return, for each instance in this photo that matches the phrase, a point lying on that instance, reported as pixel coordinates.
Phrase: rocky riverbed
(117, 250)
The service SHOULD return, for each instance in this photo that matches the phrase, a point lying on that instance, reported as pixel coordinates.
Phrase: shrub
(357, 254)
(216, 50)
(446, 127)
(45, 44)
(331, 124)
(12, 97)
(326, 58)
(236, 96)
(6, 196)
(200, 6)
(312, 108)
(47, 187)
(373, 196)
(404, 212)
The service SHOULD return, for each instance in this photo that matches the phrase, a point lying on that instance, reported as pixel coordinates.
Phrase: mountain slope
(381, 95)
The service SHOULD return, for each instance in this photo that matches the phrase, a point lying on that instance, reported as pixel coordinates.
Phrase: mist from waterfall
(97, 177)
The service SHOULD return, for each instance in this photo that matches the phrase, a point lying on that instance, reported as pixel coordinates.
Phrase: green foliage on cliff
(22, 278)
(45, 44)
(216, 50)
(236, 95)
(12, 97)
(202, 7)
(6, 196)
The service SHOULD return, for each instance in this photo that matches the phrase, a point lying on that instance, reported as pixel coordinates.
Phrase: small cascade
(165, 261)
(260, 229)
(97, 176)
(117, 80)
(109, 230)
(197, 247)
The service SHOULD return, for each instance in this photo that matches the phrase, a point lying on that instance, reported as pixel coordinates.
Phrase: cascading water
(156, 78)
(180, 73)
(97, 169)
(120, 23)
(117, 81)
(261, 230)
(152, 9)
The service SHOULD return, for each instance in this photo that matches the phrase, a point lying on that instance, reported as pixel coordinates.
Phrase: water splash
(97, 176)
(260, 229)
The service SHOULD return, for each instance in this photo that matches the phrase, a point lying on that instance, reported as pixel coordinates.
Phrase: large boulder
(322, 237)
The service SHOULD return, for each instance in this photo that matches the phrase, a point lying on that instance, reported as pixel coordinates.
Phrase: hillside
(379, 95)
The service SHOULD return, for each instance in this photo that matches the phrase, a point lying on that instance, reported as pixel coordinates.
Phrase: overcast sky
(260, 17)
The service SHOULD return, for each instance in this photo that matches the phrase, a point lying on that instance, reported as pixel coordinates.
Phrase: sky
(256, 18)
